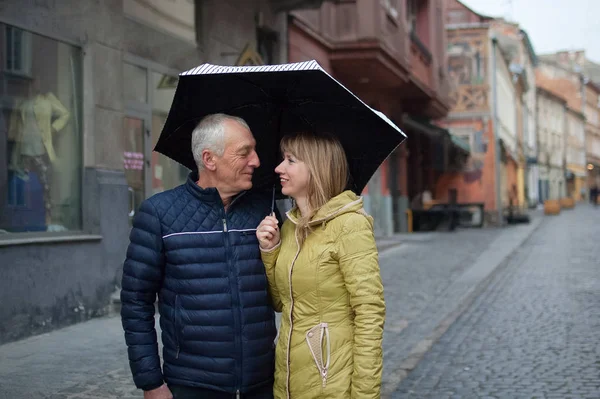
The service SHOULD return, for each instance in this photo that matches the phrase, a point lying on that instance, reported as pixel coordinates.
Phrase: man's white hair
(209, 134)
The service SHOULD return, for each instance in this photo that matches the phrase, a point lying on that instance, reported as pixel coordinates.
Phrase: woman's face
(294, 176)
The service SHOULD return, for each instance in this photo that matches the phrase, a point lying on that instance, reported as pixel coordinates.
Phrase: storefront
(77, 125)
(85, 88)
(48, 233)
(82, 103)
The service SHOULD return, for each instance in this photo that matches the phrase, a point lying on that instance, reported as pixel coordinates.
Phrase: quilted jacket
(331, 297)
(217, 323)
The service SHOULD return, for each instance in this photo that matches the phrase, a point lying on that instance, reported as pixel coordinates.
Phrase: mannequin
(33, 121)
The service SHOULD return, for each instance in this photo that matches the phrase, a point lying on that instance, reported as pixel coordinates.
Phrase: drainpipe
(583, 81)
(498, 185)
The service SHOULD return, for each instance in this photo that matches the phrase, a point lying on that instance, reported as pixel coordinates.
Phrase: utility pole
(498, 185)
(584, 80)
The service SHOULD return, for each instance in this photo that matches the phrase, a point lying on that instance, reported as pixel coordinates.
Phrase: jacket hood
(346, 202)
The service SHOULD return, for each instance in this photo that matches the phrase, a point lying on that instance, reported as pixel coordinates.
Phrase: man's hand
(162, 392)
(268, 233)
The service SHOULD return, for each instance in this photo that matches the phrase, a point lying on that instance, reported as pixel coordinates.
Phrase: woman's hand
(268, 233)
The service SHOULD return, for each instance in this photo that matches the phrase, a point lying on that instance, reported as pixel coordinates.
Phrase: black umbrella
(275, 100)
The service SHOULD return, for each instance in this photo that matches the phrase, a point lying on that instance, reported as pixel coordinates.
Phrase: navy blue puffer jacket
(217, 324)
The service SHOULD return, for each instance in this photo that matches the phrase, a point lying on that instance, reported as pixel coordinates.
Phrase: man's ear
(208, 159)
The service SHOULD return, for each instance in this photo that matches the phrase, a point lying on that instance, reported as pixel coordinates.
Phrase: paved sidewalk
(429, 279)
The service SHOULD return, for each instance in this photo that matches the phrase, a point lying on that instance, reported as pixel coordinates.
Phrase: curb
(422, 347)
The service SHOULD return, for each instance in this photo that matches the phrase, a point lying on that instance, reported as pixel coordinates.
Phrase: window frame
(145, 111)
(82, 233)
(25, 53)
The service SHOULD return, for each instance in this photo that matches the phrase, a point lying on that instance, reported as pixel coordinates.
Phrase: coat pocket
(319, 345)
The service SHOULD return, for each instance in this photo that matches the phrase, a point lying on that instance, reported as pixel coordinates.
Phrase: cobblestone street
(534, 332)
(430, 279)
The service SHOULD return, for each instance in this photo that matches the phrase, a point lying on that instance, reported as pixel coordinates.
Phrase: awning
(460, 143)
(435, 132)
(424, 126)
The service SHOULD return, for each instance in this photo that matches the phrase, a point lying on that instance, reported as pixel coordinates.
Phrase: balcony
(429, 87)
(420, 62)
(367, 46)
(368, 43)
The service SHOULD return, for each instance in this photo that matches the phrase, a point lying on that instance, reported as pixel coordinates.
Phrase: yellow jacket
(50, 114)
(334, 307)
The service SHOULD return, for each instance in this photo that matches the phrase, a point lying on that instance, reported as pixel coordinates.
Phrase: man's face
(235, 168)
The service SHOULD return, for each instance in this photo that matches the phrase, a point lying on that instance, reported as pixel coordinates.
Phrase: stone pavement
(88, 357)
(429, 279)
(534, 332)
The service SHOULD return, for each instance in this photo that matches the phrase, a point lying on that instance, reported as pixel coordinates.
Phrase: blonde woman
(323, 275)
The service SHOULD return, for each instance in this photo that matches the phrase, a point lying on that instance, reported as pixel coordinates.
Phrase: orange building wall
(476, 182)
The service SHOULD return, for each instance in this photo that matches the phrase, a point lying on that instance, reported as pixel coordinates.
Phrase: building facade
(514, 43)
(491, 66)
(552, 139)
(85, 87)
(576, 174)
(391, 54)
(592, 131)
(507, 107)
(576, 78)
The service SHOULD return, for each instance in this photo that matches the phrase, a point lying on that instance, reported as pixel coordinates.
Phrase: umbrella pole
(279, 118)
(273, 202)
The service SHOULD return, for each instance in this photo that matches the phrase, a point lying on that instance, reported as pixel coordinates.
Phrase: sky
(552, 25)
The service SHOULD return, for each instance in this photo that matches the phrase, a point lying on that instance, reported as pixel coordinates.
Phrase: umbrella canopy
(275, 100)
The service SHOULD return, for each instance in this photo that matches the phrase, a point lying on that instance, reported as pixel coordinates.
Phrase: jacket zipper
(236, 304)
(235, 295)
(291, 315)
(177, 325)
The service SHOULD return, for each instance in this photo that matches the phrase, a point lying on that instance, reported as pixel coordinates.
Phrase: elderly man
(195, 246)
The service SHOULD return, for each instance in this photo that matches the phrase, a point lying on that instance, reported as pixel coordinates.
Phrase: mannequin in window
(32, 124)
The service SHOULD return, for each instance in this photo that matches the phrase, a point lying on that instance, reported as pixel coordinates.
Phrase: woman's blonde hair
(326, 160)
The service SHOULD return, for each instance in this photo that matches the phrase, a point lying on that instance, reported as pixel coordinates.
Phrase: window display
(40, 103)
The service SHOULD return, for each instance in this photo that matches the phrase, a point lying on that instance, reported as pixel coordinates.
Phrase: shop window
(40, 134)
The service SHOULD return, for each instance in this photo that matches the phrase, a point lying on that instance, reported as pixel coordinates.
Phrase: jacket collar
(209, 194)
(345, 202)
